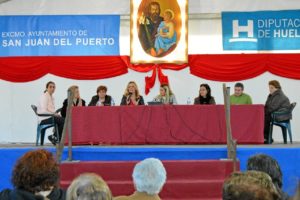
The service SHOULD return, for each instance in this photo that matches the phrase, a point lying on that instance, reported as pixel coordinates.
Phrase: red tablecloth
(178, 124)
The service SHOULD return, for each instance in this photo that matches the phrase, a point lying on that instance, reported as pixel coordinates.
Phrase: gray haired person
(149, 176)
(89, 186)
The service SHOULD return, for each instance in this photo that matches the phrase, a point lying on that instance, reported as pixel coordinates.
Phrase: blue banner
(59, 35)
(263, 30)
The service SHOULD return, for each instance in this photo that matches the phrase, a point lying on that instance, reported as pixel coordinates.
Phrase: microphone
(129, 97)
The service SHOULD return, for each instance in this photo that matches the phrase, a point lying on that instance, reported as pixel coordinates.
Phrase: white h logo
(237, 29)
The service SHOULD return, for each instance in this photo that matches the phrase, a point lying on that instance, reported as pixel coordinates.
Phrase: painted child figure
(166, 36)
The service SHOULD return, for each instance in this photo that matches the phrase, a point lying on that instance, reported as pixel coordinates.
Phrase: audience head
(165, 90)
(89, 186)
(50, 87)
(132, 88)
(267, 164)
(205, 91)
(274, 85)
(250, 185)
(74, 89)
(238, 89)
(36, 171)
(101, 91)
(149, 176)
(297, 195)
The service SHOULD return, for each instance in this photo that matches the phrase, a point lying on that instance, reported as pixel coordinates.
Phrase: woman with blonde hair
(77, 101)
(132, 95)
(89, 186)
(166, 96)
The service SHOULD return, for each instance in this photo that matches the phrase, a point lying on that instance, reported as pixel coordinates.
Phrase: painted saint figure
(166, 35)
(149, 22)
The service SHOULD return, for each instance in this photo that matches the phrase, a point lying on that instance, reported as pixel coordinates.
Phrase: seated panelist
(165, 96)
(204, 97)
(101, 98)
(132, 95)
(46, 105)
(77, 101)
(239, 97)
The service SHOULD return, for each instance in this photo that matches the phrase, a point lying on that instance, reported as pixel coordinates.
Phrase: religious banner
(158, 31)
(59, 35)
(263, 30)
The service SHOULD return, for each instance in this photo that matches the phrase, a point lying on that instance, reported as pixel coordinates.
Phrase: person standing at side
(46, 106)
(239, 97)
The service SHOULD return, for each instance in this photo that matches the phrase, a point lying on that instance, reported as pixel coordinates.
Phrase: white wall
(18, 122)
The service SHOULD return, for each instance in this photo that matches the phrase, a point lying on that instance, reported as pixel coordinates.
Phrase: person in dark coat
(132, 95)
(276, 102)
(267, 164)
(77, 101)
(205, 95)
(35, 177)
(101, 98)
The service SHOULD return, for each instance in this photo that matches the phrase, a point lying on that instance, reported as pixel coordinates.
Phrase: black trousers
(267, 127)
(58, 121)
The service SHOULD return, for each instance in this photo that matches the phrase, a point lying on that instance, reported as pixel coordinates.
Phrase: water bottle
(98, 103)
(189, 102)
(112, 102)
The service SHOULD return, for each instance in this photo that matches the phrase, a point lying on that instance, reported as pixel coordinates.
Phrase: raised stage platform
(288, 156)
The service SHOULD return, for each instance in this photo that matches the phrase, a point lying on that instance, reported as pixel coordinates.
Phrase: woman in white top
(46, 106)
(166, 95)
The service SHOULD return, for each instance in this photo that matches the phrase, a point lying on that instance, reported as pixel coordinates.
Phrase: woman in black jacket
(101, 98)
(132, 95)
(77, 101)
(276, 101)
(205, 96)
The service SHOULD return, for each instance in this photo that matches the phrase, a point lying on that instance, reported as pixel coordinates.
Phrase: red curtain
(218, 67)
(150, 81)
(23, 69)
(234, 67)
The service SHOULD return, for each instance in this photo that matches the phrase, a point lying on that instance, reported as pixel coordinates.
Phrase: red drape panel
(286, 65)
(150, 81)
(234, 67)
(227, 67)
(23, 69)
(219, 67)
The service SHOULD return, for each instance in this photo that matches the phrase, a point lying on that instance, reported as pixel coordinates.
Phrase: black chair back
(34, 108)
(293, 105)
